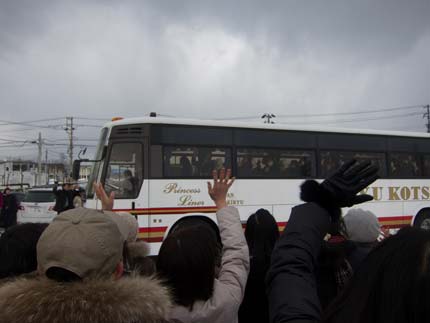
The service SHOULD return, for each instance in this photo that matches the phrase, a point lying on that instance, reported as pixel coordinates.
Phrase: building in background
(21, 174)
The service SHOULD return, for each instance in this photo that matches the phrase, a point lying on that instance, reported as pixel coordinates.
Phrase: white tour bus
(159, 167)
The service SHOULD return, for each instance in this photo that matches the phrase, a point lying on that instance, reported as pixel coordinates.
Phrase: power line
(88, 125)
(350, 113)
(5, 122)
(95, 119)
(74, 138)
(29, 124)
(359, 119)
(11, 140)
(310, 115)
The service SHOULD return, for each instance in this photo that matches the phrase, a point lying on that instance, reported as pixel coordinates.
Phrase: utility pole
(69, 128)
(39, 143)
(46, 166)
(427, 115)
(39, 160)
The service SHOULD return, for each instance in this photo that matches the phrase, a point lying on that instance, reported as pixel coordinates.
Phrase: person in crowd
(1, 210)
(63, 197)
(77, 196)
(9, 209)
(261, 234)
(391, 286)
(363, 229)
(187, 261)
(136, 259)
(18, 249)
(291, 279)
(80, 263)
(333, 269)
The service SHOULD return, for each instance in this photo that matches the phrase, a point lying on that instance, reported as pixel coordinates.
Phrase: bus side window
(178, 162)
(255, 163)
(377, 159)
(328, 163)
(213, 158)
(332, 160)
(296, 164)
(404, 165)
(194, 162)
(426, 165)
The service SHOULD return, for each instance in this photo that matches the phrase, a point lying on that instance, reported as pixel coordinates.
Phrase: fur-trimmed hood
(128, 300)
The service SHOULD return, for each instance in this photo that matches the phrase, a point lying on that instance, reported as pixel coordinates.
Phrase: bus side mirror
(76, 169)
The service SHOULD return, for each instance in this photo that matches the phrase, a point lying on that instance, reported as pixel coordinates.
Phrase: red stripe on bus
(208, 209)
(160, 239)
(395, 218)
(395, 226)
(152, 229)
(183, 208)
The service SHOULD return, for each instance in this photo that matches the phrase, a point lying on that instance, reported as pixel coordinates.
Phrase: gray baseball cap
(84, 241)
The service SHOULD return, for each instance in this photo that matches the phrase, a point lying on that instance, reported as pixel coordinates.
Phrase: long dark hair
(392, 285)
(261, 234)
(186, 262)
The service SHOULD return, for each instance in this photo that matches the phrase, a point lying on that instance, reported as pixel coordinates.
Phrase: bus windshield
(124, 173)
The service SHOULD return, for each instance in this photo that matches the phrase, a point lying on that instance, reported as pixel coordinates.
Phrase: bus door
(123, 174)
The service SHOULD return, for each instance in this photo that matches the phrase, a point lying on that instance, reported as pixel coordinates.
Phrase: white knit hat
(362, 226)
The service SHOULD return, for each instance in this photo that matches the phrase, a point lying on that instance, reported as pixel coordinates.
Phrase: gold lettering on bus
(176, 189)
(415, 192)
(235, 202)
(425, 193)
(375, 191)
(187, 200)
(405, 193)
(393, 195)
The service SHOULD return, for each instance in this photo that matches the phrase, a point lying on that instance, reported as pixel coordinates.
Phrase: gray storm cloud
(212, 59)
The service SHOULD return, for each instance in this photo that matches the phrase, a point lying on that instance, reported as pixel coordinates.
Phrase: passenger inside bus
(186, 167)
(129, 184)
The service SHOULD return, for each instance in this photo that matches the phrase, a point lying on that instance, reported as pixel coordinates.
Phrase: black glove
(341, 188)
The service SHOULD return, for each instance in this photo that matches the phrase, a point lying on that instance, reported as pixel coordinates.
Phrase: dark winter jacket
(128, 300)
(359, 253)
(63, 199)
(9, 210)
(291, 280)
(333, 270)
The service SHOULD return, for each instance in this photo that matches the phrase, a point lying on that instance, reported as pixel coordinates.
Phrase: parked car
(37, 206)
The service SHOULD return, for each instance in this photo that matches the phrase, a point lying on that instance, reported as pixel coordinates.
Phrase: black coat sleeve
(291, 283)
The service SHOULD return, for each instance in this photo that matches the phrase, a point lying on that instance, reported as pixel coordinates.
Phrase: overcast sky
(209, 59)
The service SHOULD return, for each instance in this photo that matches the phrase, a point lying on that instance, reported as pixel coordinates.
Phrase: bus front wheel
(422, 220)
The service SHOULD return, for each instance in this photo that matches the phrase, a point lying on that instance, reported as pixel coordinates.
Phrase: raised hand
(341, 188)
(344, 185)
(107, 201)
(218, 191)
